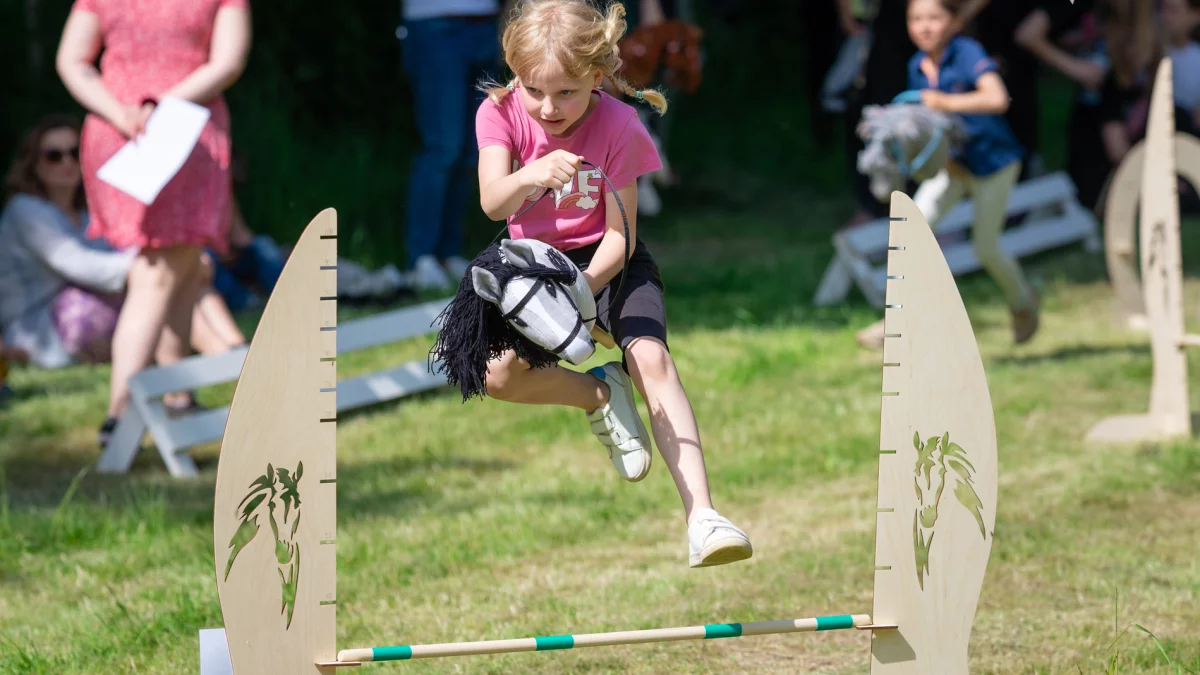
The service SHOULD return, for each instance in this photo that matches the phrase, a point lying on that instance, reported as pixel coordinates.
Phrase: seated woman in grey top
(60, 292)
(43, 250)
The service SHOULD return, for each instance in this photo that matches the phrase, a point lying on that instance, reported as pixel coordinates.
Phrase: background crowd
(90, 275)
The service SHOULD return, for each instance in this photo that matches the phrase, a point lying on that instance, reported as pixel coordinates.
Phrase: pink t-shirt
(612, 137)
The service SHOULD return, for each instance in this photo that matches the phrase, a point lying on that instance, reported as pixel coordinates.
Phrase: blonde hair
(1133, 44)
(576, 35)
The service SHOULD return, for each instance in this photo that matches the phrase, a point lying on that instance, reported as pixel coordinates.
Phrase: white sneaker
(427, 273)
(619, 426)
(389, 279)
(456, 267)
(713, 540)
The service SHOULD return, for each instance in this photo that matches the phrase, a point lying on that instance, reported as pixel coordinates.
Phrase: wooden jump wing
(1162, 281)
(275, 506)
(937, 463)
(1162, 263)
(1120, 224)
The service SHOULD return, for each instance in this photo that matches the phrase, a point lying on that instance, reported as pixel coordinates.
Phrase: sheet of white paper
(143, 166)
(214, 652)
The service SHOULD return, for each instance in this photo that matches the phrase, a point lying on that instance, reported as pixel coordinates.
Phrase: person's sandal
(106, 431)
(177, 410)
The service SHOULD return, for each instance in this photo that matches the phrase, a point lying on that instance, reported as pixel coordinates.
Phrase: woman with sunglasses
(60, 292)
(48, 268)
(151, 50)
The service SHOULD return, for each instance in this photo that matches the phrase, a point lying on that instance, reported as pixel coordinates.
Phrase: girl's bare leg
(155, 280)
(511, 379)
(672, 420)
(213, 328)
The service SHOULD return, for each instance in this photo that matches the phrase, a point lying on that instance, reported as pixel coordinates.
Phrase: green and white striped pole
(548, 643)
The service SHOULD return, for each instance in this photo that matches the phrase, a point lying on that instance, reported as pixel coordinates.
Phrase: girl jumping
(534, 134)
(954, 74)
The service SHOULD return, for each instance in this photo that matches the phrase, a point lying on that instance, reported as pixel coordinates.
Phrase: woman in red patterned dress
(190, 49)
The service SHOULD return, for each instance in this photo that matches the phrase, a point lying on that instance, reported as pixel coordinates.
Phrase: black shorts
(641, 309)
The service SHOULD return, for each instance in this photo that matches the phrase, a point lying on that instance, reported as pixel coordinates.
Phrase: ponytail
(495, 91)
(576, 35)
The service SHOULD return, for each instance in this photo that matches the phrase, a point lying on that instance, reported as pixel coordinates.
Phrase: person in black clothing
(822, 41)
(885, 75)
(1113, 71)
(996, 27)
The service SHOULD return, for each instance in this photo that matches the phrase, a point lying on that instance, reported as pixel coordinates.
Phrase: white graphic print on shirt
(585, 196)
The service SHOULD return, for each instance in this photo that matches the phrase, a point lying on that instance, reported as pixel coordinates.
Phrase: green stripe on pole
(391, 653)
(713, 631)
(555, 642)
(841, 622)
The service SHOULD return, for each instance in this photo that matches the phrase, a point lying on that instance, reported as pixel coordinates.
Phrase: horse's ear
(487, 286)
(519, 252)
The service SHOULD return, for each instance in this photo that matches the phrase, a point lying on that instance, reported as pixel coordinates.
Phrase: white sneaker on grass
(456, 267)
(713, 540)
(619, 426)
(427, 273)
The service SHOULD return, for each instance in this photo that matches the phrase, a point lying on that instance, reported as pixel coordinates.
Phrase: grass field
(487, 520)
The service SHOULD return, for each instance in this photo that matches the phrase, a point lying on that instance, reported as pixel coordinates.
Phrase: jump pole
(274, 523)
(629, 637)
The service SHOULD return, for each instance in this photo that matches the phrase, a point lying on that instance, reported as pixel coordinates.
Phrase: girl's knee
(167, 268)
(500, 376)
(649, 360)
(988, 251)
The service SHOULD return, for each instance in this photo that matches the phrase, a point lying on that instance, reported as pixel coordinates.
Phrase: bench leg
(835, 285)
(179, 463)
(177, 460)
(1092, 242)
(125, 443)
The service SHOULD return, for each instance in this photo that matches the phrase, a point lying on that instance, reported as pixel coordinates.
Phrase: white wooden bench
(174, 436)
(1055, 218)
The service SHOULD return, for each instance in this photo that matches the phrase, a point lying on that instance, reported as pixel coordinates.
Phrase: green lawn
(488, 520)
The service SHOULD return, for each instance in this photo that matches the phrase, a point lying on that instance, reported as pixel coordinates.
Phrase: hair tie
(510, 85)
(639, 96)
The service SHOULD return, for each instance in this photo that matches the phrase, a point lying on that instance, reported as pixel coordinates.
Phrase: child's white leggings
(936, 196)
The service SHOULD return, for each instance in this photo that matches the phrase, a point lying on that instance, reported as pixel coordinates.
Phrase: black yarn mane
(473, 330)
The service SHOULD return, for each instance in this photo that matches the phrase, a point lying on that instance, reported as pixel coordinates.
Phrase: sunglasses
(57, 155)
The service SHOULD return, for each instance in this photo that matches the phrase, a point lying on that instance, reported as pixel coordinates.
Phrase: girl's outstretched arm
(607, 260)
(228, 51)
(502, 191)
(1033, 36)
(78, 49)
(989, 98)
(967, 13)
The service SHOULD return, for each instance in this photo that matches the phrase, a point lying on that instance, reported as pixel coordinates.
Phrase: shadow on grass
(33, 484)
(1072, 353)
